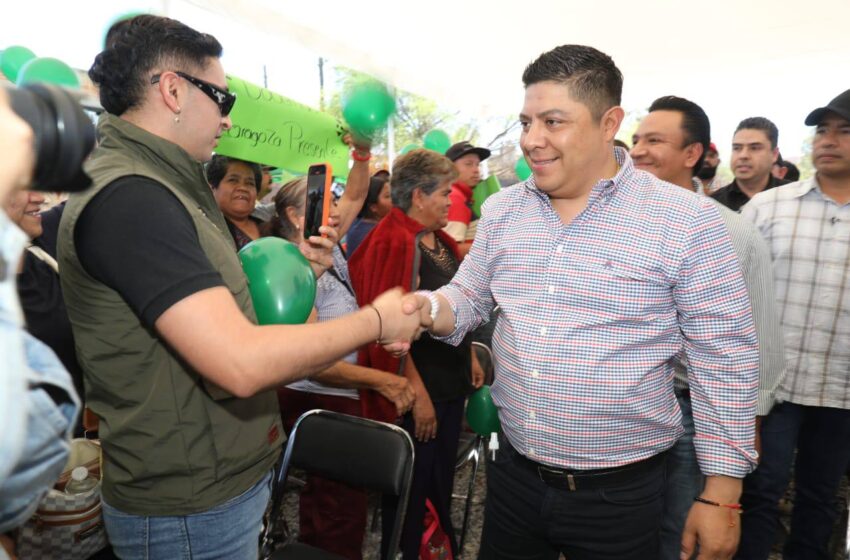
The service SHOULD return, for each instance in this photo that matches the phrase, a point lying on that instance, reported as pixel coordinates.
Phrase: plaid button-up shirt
(809, 238)
(592, 313)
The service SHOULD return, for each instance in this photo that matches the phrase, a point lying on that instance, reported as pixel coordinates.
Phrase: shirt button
(531, 451)
(532, 415)
(551, 289)
(543, 331)
(559, 249)
(535, 374)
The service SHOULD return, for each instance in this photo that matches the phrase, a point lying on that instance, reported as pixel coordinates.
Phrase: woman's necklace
(439, 255)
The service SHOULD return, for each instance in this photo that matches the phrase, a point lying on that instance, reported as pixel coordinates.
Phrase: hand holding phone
(319, 197)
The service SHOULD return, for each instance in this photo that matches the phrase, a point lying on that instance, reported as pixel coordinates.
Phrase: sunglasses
(224, 99)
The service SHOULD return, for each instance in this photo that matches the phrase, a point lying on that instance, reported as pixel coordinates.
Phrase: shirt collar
(465, 189)
(804, 187)
(624, 173)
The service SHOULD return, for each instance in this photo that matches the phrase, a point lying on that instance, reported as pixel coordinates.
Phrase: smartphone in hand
(319, 198)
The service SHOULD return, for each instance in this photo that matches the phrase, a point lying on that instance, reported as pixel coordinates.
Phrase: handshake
(404, 317)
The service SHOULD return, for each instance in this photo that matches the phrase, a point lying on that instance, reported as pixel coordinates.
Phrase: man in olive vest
(175, 366)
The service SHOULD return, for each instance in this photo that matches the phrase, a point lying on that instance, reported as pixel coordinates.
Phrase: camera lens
(64, 136)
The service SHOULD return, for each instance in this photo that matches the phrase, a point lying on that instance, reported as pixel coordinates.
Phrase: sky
(281, 38)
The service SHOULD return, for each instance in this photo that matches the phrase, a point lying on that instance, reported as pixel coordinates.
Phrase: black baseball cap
(840, 105)
(462, 148)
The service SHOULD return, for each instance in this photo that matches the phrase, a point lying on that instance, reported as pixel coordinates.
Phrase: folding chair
(347, 449)
(470, 448)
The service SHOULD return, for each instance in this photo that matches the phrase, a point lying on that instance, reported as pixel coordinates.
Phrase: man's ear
(171, 90)
(692, 154)
(611, 121)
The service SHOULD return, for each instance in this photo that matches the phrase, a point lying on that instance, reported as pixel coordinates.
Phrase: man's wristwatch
(435, 302)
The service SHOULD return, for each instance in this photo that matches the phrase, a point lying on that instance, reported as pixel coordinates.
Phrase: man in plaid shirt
(603, 274)
(807, 226)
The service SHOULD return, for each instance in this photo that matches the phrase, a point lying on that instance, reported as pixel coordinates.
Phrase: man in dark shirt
(754, 151)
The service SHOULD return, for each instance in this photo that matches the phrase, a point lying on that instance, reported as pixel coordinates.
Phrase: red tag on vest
(274, 433)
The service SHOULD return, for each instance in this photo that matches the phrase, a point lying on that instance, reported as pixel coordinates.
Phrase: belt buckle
(571, 481)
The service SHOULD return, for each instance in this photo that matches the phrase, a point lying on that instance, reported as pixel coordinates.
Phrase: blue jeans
(821, 437)
(229, 531)
(684, 483)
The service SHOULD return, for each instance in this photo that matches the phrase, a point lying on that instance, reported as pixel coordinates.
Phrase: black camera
(64, 135)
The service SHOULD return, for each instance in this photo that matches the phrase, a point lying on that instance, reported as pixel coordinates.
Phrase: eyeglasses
(224, 99)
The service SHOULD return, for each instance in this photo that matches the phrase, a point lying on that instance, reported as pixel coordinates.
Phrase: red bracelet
(733, 508)
(356, 157)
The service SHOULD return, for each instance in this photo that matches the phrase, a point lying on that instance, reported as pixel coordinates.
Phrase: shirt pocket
(610, 291)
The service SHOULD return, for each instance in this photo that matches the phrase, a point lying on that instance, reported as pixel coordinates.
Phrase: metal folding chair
(352, 450)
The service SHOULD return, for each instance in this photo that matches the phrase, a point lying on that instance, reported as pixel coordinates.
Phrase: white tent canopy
(737, 59)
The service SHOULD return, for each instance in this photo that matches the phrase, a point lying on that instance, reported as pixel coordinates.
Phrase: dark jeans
(433, 478)
(332, 515)
(684, 483)
(821, 436)
(527, 519)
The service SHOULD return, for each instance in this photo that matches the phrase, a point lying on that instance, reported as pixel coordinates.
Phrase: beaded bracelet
(356, 156)
(733, 508)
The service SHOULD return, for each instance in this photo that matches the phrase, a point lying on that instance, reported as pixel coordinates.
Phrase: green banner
(273, 130)
(482, 192)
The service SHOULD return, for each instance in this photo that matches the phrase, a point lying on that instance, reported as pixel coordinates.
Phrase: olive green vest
(173, 443)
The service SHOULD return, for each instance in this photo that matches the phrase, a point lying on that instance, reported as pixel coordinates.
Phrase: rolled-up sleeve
(720, 339)
(469, 292)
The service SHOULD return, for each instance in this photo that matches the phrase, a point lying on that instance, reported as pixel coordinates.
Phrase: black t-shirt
(732, 197)
(138, 239)
(445, 369)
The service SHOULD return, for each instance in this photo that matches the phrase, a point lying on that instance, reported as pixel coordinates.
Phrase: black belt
(570, 479)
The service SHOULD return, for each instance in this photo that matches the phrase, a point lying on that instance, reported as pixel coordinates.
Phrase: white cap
(79, 473)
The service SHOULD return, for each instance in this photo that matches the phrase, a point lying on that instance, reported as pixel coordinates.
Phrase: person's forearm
(444, 324)
(351, 376)
(243, 358)
(723, 489)
(280, 354)
(356, 191)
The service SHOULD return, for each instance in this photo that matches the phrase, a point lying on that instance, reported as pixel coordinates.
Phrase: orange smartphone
(319, 198)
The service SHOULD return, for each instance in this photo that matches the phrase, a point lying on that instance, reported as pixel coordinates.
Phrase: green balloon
(368, 108)
(437, 140)
(282, 284)
(409, 148)
(13, 59)
(481, 414)
(523, 171)
(48, 70)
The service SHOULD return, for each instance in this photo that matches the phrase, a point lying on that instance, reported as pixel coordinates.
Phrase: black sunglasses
(224, 99)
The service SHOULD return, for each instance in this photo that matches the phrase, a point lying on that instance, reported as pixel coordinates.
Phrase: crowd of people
(666, 349)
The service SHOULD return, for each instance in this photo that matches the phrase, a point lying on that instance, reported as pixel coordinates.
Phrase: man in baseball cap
(707, 173)
(462, 220)
(805, 225)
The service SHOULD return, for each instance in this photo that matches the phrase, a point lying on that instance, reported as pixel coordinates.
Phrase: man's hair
(217, 167)
(793, 172)
(763, 124)
(419, 169)
(139, 47)
(696, 127)
(591, 76)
